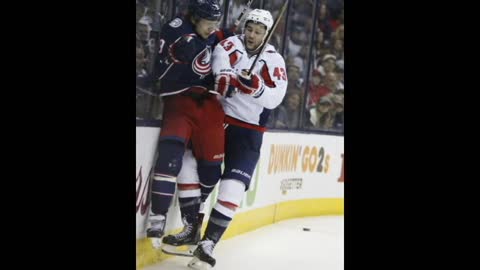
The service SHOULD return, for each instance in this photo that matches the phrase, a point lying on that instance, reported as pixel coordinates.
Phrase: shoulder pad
(176, 23)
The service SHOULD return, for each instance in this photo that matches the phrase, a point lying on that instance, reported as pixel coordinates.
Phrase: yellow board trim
(251, 220)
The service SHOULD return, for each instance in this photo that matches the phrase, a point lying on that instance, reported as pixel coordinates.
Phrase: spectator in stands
(303, 54)
(319, 43)
(296, 40)
(322, 115)
(288, 114)
(328, 64)
(332, 82)
(140, 61)
(324, 21)
(142, 31)
(274, 6)
(316, 90)
(338, 101)
(340, 64)
(324, 51)
(340, 32)
(143, 8)
(337, 48)
(294, 73)
(329, 69)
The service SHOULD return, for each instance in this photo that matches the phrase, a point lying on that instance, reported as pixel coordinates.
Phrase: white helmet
(260, 16)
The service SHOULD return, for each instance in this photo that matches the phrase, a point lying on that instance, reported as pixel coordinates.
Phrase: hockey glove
(251, 85)
(224, 84)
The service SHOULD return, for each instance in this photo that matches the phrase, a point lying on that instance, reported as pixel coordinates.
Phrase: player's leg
(241, 156)
(175, 132)
(207, 145)
(189, 199)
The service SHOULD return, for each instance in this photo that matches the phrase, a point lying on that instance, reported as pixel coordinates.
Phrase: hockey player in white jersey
(247, 103)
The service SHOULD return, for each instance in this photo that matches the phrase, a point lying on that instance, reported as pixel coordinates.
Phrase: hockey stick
(146, 92)
(270, 33)
(247, 6)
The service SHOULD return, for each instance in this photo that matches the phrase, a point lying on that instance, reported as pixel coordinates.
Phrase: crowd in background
(310, 36)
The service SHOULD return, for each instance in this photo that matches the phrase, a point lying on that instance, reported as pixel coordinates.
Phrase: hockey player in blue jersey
(192, 111)
(194, 191)
(246, 115)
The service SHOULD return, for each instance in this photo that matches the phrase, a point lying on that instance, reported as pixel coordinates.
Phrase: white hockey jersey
(230, 56)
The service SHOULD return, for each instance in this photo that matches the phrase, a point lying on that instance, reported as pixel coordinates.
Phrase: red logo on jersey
(201, 64)
(226, 44)
(235, 57)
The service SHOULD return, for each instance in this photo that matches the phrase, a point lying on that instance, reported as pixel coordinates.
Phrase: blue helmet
(206, 9)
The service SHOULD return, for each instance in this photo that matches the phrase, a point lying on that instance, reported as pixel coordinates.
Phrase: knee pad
(231, 191)
(209, 174)
(169, 160)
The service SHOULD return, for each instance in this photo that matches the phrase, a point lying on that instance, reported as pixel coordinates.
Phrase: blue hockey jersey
(179, 67)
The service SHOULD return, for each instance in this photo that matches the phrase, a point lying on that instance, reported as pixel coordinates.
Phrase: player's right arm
(223, 58)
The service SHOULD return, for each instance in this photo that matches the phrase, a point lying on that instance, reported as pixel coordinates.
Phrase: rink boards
(298, 175)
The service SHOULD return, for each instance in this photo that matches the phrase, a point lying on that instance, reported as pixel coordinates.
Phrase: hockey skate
(156, 229)
(185, 242)
(203, 259)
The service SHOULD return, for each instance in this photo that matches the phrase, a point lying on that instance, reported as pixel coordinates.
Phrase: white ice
(280, 246)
